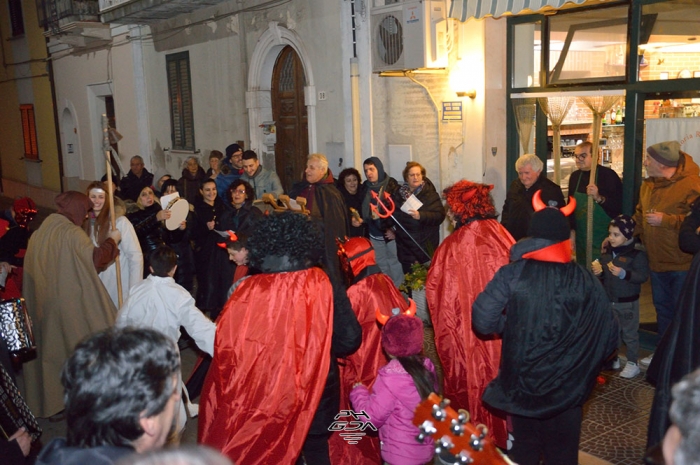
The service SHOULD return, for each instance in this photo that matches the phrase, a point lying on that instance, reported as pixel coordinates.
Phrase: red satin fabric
(376, 291)
(462, 266)
(271, 360)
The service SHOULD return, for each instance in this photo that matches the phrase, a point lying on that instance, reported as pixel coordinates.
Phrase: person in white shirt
(162, 304)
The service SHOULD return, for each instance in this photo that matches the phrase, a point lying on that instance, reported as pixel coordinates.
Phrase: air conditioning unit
(409, 35)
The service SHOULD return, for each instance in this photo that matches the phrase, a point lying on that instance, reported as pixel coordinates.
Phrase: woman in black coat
(189, 184)
(240, 216)
(214, 270)
(149, 227)
(350, 186)
(423, 224)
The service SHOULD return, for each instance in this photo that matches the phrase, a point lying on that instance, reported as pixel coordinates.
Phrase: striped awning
(465, 9)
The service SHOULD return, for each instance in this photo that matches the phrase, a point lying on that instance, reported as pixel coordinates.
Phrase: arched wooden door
(289, 113)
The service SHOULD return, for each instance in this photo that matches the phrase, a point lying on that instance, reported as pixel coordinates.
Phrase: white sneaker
(646, 361)
(631, 370)
(616, 364)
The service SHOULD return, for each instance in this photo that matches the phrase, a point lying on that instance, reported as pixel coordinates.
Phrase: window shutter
(180, 95)
(31, 145)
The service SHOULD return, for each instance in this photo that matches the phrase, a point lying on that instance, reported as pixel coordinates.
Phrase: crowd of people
(299, 320)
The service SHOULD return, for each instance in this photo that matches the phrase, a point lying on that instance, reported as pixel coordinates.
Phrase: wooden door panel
(289, 113)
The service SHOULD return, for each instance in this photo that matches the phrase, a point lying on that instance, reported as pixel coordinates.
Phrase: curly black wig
(285, 242)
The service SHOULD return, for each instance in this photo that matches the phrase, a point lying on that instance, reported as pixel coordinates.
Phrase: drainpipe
(355, 95)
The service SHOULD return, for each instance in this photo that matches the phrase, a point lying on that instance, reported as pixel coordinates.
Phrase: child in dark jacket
(622, 269)
(400, 386)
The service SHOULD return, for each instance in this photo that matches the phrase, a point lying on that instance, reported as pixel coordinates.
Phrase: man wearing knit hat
(557, 329)
(671, 186)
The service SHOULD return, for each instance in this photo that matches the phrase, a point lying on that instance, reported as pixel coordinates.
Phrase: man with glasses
(606, 190)
(231, 169)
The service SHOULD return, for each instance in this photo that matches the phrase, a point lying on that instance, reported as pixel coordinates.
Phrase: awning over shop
(465, 9)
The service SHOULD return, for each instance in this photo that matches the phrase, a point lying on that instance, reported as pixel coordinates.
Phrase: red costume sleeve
(462, 266)
(104, 254)
(376, 291)
(271, 359)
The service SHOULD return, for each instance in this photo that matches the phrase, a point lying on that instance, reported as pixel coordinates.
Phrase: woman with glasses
(420, 235)
(242, 215)
(214, 271)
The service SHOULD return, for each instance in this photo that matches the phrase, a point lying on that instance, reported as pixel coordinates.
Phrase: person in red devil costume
(370, 291)
(272, 390)
(462, 266)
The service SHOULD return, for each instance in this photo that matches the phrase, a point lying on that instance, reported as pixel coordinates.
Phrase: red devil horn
(411, 310)
(537, 203)
(381, 318)
(232, 236)
(569, 208)
(221, 244)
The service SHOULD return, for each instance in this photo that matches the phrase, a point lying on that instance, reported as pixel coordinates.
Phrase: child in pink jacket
(400, 386)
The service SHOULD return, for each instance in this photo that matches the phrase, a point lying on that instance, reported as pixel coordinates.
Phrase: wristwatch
(602, 199)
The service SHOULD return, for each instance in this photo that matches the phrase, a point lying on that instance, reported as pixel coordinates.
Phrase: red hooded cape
(271, 355)
(462, 266)
(374, 292)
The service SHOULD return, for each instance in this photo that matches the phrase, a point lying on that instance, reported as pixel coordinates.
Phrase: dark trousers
(315, 450)
(666, 287)
(554, 440)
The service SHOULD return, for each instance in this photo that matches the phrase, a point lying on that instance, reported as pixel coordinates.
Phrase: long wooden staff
(110, 199)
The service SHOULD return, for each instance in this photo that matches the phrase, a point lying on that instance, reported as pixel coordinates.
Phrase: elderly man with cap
(671, 186)
(65, 298)
(552, 353)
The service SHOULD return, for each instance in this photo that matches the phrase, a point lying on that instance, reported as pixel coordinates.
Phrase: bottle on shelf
(618, 116)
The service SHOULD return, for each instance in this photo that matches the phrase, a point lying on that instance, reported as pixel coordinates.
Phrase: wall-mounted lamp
(471, 93)
(460, 79)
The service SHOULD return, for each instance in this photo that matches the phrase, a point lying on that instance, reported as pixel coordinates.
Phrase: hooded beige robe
(66, 301)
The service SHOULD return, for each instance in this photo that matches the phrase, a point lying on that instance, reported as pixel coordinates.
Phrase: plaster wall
(220, 52)
(82, 81)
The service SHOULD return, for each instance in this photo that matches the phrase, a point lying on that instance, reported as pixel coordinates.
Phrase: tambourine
(179, 208)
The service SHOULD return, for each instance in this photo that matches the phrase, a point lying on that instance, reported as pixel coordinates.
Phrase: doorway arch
(260, 74)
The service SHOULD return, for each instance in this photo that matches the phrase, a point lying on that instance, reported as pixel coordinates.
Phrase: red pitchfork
(389, 212)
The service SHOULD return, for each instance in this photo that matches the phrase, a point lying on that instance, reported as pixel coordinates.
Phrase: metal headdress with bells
(25, 211)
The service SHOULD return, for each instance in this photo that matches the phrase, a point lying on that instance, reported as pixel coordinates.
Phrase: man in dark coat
(552, 353)
(606, 190)
(678, 353)
(136, 179)
(326, 204)
(517, 209)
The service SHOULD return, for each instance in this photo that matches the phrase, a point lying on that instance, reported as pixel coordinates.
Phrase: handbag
(16, 329)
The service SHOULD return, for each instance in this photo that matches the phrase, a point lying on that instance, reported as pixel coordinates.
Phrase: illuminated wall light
(459, 80)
